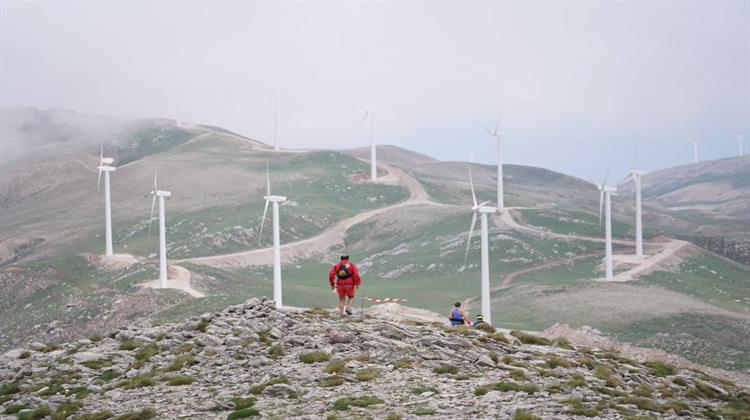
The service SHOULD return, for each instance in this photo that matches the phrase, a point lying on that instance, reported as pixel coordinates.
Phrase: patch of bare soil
(590, 337)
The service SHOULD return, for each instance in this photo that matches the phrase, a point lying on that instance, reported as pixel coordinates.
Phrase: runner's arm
(332, 275)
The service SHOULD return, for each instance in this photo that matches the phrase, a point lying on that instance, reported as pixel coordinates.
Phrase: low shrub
(315, 357)
(445, 368)
(529, 338)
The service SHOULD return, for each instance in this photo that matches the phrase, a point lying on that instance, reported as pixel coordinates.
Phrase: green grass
(445, 368)
(567, 221)
(180, 362)
(258, 389)
(95, 415)
(138, 381)
(710, 279)
(367, 374)
(712, 340)
(315, 357)
(276, 351)
(179, 380)
(530, 338)
(128, 345)
(240, 402)
(525, 415)
(37, 413)
(330, 381)
(145, 414)
(343, 404)
(337, 366)
(243, 413)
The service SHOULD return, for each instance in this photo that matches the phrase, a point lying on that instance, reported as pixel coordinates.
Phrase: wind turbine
(483, 210)
(105, 165)
(156, 192)
(496, 134)
(275, 199)
(739, 142)
(695, 151)
(373, 152)
(605, 194)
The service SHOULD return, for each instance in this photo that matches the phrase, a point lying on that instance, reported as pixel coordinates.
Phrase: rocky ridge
(253, 360)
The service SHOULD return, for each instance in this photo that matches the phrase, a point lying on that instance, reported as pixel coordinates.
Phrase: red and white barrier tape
(388, 299)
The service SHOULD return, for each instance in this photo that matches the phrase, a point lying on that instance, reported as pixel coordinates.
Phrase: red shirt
(351, 268)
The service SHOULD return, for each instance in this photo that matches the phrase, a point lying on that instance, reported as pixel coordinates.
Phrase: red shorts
(345, 290)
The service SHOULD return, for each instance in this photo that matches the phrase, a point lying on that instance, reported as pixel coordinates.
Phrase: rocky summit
(254, 360)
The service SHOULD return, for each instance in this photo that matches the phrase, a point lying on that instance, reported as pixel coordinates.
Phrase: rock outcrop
(253, 360)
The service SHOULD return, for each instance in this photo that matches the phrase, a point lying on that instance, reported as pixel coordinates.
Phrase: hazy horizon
(578, 83)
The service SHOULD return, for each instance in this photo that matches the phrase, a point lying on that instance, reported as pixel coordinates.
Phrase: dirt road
(178, 278)
(333, 235)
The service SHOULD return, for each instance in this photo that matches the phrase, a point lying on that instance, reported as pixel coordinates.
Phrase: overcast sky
(579, 82)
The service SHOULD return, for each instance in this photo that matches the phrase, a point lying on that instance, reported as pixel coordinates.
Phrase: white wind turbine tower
(636, 175)
(483, 210)
(275, 199)
(105, 165)
(695, 151)
(373, 151)
(496, 134)
(605, 200)
(739, 142)
(162, 231)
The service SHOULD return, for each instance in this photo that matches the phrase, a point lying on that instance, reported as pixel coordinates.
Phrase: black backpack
(343, 272)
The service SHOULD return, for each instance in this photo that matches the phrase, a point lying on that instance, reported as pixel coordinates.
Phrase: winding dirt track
(331, 236)
(180, 280)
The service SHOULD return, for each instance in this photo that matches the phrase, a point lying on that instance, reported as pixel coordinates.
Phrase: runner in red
(346, 277)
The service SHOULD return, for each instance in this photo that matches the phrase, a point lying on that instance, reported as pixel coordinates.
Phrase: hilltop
(407, 232)
(253, 360)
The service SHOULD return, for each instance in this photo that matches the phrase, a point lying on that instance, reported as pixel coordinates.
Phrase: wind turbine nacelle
(275, 198)
(487, 210)
(105, 168)
(609, 189)
(161, 193)
(637, 172)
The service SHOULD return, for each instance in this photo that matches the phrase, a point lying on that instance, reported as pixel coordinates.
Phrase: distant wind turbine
(483, 210)
(739, 142)
(105, 166)
(605, 202)
(156, 192)
(275, 199)
(695, 151)
(373, 153)
(496, 134)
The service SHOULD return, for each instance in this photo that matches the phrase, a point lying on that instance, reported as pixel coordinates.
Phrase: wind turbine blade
(626, 179)
(497, 125)
(156, 174)
(101, 152)
(471, 183)
(98, 180)
(488, 130)
(364, 117)
(262, 221)
(151, 216)
(468, 240)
